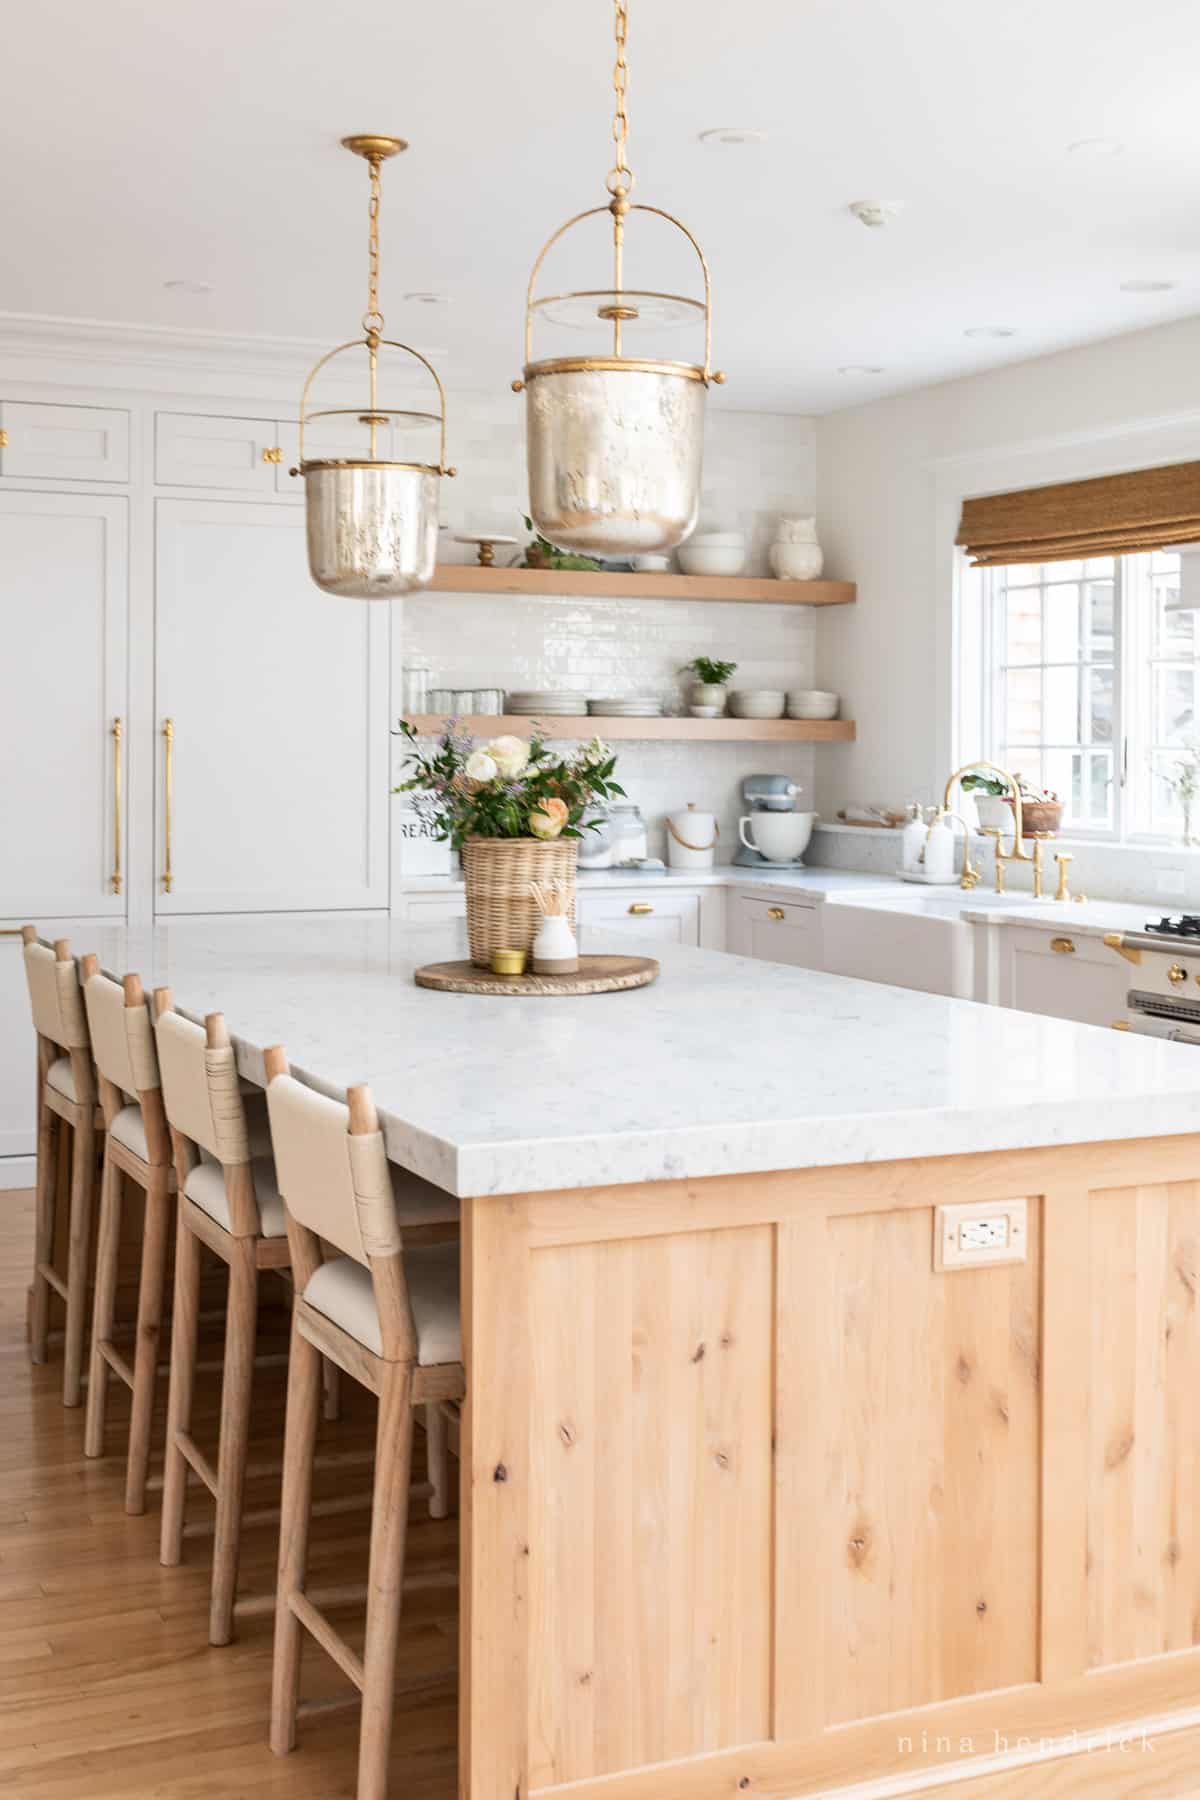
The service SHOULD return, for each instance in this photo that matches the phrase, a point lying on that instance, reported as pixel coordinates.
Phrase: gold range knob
(1176, 974)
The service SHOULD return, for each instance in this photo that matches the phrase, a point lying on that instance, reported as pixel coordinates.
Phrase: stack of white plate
(630, 706)
(757, 703)
(554, 702)
(812, 703)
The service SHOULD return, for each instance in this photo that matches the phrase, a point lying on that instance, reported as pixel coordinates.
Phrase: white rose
(481, 766)
(509, 755)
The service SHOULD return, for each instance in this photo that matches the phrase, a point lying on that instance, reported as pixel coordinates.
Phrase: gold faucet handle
(993, 831)
(1062, 858)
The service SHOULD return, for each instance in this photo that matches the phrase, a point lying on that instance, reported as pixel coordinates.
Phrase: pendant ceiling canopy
(615, 442)
(372, 522)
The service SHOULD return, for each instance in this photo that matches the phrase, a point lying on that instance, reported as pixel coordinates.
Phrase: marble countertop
(724, 1066)
(819, 883)
(1082, 918)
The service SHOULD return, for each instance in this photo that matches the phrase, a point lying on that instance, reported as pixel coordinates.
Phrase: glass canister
(628, 834)
(416, 686)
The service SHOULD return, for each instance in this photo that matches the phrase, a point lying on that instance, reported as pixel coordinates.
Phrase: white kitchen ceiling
(196, 143)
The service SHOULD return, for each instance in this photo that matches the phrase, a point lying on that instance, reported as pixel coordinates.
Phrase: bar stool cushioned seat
(344, 1291)
(61, 1079)
(205, 1186)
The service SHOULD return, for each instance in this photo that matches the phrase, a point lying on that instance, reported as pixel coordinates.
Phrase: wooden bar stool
(228, 1201)
(66, 1098)
(391, 1320)
(138, 1146)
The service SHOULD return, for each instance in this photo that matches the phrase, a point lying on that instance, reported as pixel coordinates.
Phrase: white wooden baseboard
(17, 1171)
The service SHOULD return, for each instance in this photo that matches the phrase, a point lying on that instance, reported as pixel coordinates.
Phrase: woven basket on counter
(1040, 816)
(499, 872)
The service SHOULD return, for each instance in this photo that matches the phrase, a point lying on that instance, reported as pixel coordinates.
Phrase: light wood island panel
(776, 1507)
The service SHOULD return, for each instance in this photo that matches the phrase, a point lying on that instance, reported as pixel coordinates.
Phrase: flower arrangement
(508, 788)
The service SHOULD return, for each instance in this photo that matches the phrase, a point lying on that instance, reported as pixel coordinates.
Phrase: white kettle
(691, 838)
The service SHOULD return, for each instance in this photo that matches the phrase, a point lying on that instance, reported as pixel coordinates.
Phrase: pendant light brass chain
(620, 176)
(373, 318)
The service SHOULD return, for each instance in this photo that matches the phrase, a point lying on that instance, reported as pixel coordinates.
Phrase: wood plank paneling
(1143, 1504)
(651, 1607)
(932, 1535)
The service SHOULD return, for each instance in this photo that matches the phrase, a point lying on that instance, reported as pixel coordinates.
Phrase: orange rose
(548, 818)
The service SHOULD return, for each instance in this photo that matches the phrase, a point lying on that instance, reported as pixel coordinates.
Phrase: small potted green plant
(709, 688)
(991, 799)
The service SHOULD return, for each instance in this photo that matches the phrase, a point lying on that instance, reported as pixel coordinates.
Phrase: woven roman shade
(1112, 516)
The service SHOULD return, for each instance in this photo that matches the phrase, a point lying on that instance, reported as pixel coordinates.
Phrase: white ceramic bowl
(780, 837)
(710, 539)
(705, 712)
(812, 703)
(651, 561)
(757, 703)
(712, 559)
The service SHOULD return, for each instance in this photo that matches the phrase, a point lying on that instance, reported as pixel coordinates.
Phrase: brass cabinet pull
(1176, 974)
(168, 732)
(273, 454)
(11, 930)
(776, 912)
(116, 738)
(3, 440)
(1120, 1024)
(641, 906)
(1064, 946)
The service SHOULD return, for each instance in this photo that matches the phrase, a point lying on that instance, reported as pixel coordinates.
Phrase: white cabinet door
(644, 918)
(1061, 975)
(64, 443)
(63, 580)
(18, 1055)
(777, 931)
(277, 699)
(196, 450)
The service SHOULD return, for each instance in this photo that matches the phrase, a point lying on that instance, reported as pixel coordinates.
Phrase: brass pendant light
(615, 442)
(372, 524)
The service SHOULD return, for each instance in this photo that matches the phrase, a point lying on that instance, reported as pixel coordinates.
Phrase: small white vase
(555, 951)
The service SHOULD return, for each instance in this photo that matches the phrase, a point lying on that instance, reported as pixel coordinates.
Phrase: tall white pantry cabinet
(189, 725)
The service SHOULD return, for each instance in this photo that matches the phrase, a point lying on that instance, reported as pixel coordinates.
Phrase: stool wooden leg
(299, 1445)
(179, 1402)
(437, 1458)
(240, 1325)
(332, 1379)
(109, 1235)
(385, 1579)
(79, 1243)
(49, 1148)
(149, 1328)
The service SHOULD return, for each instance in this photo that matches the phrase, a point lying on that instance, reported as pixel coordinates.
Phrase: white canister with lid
(691, 838)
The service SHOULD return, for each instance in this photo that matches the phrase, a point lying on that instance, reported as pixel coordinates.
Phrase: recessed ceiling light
(1099, 146)
(990, 331)
(1147, 287)
(188, 287)
(418, 298)
(732, 134)
(875, 213)
(861, 369)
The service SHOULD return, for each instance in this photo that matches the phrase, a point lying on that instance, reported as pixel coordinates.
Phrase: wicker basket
(501, 911)
(1040, 817)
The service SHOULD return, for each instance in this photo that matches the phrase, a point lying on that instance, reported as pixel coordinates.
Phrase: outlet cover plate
(976, 1234)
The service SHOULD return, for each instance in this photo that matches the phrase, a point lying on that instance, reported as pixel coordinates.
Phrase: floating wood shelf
(470, 578)
(721, 731)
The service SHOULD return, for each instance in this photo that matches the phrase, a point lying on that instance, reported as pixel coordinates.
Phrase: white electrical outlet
(976, 1233)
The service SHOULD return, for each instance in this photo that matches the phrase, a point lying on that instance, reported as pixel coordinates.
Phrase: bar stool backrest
(200, 1089)
(54, 995)
(334, 1184)
(122, 1036)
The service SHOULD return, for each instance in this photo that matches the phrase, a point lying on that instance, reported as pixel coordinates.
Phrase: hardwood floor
(108, 1687)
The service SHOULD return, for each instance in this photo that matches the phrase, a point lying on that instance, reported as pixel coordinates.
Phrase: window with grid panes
(1091, 687)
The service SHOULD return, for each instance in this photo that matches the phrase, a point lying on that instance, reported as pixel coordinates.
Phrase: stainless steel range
(1164, 1000)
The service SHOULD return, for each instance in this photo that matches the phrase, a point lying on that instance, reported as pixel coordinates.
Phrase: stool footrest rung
(50, 1274)
(318, 1626)
(119, 1364)
(196, 1460)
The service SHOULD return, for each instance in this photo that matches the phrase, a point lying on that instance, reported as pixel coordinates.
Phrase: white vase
(555, 950)
(796, 555)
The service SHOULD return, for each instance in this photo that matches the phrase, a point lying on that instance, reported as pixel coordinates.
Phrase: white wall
(891, 477)
(757, 465)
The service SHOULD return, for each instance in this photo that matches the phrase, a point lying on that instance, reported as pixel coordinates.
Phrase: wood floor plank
(109, 1689)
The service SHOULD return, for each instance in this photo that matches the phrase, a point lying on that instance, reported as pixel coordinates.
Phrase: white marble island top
(724, 1066)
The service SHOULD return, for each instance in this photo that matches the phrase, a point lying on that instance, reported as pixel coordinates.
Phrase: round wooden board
(596, 975)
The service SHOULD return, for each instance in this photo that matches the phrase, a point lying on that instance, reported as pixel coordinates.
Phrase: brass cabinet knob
(1064, 946)
(641, 906)
(3, 440)
(776, 912)
(273, 454)
(1176, 974)
(1120, 1024)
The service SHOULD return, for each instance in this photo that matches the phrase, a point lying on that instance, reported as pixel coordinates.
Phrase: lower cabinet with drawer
(645, 918)
(782, 931)
(1064, 975)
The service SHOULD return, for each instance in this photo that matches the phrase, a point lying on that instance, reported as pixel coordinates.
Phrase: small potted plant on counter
(707, 694)
(514, 809)
(991, 800)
